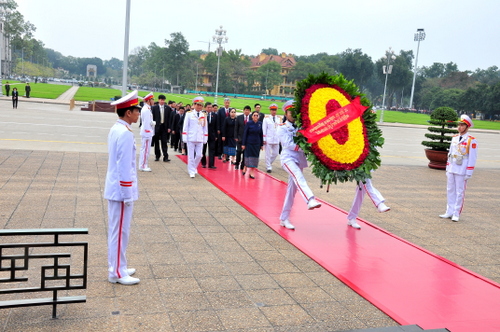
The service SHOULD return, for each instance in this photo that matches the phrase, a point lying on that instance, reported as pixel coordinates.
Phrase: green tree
(303, 69)
(176, 57)
(269, 76)
(436, 70)
(401, 76)
(355, 65)
(270, 51)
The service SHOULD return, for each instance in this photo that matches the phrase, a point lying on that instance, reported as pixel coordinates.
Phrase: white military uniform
(270, 134)
(195, 134)
(120, 187)
(293, 160)
(460, 166)
(361, 190)
(147, 132)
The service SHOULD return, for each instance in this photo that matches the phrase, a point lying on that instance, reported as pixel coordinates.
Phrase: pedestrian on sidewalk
(293, 160)
(121, 188)
(7, 88)
(15, 97)
(27, 90)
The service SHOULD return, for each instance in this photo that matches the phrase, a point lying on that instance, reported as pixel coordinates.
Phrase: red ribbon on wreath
(334, 121)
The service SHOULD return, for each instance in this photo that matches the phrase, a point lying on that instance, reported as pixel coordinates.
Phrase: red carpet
(408, 283)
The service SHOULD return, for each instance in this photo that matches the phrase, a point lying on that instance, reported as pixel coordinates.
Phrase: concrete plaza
(205, 263)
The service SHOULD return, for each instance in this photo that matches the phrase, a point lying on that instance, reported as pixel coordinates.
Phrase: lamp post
(387, 69)
(209, 42)
(419, 35)
(220, 38)
(125, 49)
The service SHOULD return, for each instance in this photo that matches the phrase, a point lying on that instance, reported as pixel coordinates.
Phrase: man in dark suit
(212, 137)
(161, 115)
(239, 128)
(256, 107)
(221, 117)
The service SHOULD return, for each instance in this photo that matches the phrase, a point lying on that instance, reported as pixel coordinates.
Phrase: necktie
(294, 125)
(460, 140)
(198, 114)
(210, 118)
(245, 119)
(274, 120)
(227, 112)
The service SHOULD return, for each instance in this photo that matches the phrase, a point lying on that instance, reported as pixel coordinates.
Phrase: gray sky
(461, 31)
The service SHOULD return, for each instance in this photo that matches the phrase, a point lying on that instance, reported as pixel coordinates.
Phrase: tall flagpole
(125, 51)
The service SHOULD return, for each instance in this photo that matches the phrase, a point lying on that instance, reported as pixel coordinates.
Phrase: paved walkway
(207, 264)
(69, 94)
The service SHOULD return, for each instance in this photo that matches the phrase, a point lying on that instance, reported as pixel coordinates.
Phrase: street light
(220, 38)
(387, 69)
(209, 43)
(419, 35)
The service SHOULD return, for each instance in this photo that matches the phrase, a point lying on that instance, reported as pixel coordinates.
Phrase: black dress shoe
(236, 167)
(166, 160)
(204, 166)
(157, 159)
(252, 177)
(269, 171)
(212, 167)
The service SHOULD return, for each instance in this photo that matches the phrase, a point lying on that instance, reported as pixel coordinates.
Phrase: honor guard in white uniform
(271, 140)
(121, 188)
(459, 168)
(293, 160)
(147, 132)
(195, 134)
(376, 197)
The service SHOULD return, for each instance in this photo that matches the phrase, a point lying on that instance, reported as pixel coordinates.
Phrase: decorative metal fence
(57, 276)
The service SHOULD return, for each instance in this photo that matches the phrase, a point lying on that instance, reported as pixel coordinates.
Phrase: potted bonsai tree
(444, 121)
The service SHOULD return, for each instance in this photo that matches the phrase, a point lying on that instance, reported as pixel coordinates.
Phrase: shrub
(441, 117)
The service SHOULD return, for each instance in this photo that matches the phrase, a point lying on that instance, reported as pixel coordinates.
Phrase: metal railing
(54, 277)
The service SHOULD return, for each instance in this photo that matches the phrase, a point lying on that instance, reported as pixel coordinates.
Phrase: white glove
(128, 202)
(153, 123)
(467, 177)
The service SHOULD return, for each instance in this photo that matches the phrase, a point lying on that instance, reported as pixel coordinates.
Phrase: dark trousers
(219, 145)
(239, 156)
(14, 103)
(7, 90)
(161, 138)
(176, 138)
(211, 154)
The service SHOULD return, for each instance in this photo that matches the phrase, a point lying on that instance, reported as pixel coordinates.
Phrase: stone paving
(207, 264)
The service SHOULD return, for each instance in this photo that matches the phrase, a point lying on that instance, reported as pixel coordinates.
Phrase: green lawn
(421, 119)
(38, 90)
(85, 93)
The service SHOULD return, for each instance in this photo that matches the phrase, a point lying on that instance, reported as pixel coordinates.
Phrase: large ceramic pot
(437, 159)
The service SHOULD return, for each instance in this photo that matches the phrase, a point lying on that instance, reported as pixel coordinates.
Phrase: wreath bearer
(293, 161)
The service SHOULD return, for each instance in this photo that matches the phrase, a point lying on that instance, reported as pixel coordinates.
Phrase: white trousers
(194, 156)
(145, 148)
(119, 217)
(361, 190)
(296, 181)
(272, 151)
(455, 189)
